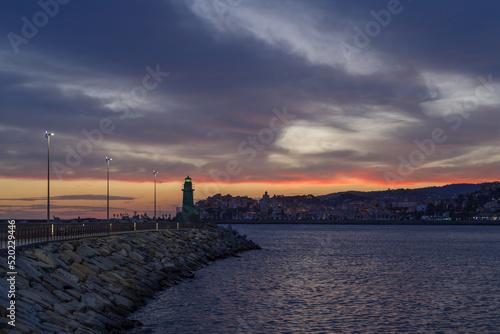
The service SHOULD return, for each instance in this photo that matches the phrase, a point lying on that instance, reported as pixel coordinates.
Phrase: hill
(419, 194)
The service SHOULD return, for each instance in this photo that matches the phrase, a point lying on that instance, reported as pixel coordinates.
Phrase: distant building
(492, 206)
(265, 197)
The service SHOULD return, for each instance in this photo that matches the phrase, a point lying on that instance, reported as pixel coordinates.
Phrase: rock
(61, 309)
(123, 252)
(47, 258)
(106, 277)
(105, 298)
(56, 319)
(129, 285)
(136, 256)
(40, 289)
(104, 250)
(167, 264)
(76, 272)
(94, 279)
(91, 287)
(90, 319)
(63, 297)
(87, 251)
(69, 257)
(72, 326)
(68, 280)
(22, 282)
(71, 306)
(25, 269)
(68, 245)
(51, 247)
(34, 297)
(51, 284)
(92, 302)
(123, 303)
(116, 275)
(27, 314)
(75, 294)
(114, 288)
(118, 257)
(83, 269)
(91, 266)
(102, 263)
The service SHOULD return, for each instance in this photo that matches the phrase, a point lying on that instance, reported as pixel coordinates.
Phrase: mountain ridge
(417, 194)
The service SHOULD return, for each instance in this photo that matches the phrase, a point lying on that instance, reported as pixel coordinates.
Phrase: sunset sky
(292, 97)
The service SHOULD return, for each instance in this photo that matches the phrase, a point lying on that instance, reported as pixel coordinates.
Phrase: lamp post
(47, 135)
(154, 215)
(107, 196)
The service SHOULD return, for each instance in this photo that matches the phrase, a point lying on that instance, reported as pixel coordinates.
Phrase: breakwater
(91, 285)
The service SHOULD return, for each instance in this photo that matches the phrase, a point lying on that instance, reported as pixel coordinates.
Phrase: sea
(341, 279)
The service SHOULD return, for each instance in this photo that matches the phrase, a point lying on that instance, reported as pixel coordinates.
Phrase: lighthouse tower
(188, 213)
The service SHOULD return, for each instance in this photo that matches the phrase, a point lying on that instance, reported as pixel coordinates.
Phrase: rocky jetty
(92, 285)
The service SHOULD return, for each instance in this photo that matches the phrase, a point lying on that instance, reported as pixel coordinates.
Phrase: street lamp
(47, 135)
(154, 215)
(107, 196)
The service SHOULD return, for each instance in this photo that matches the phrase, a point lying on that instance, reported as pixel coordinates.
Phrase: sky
(244, 96)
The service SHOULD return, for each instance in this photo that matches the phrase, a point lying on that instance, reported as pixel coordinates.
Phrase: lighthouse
(188, 213)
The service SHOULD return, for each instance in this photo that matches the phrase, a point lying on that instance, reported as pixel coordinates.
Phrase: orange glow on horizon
(26, 198)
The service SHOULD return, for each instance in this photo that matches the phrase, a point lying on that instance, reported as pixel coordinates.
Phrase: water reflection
(342, 279)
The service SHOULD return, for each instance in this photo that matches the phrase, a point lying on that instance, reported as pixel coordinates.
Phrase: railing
(26, 234)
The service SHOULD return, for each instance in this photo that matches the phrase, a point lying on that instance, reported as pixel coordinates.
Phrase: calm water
(342, 279)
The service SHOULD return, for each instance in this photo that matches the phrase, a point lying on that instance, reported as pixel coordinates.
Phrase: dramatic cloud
(373, 92)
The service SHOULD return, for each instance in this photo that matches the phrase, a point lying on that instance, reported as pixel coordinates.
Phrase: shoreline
(28, 222)
(358, 222)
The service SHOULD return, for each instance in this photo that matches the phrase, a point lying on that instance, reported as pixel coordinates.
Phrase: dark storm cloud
(446, 35)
